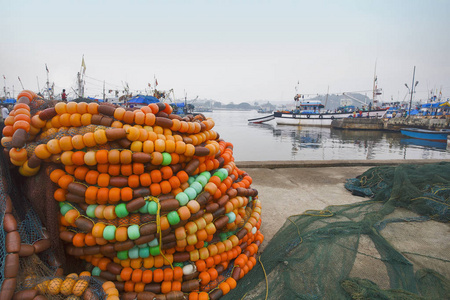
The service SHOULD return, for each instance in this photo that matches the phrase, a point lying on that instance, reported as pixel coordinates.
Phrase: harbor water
(269, 141)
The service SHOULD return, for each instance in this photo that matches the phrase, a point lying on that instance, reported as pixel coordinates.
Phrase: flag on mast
(46, 68)
(83, 65)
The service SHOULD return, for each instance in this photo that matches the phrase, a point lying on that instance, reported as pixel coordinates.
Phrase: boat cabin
(309, 106)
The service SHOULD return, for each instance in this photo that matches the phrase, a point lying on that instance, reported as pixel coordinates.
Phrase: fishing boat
(425, 134)
(310, 112)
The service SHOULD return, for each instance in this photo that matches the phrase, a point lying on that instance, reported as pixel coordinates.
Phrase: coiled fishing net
(381, 248)
(149, 203)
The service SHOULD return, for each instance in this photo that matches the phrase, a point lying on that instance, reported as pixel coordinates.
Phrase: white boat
(309, 112)
(320, 118)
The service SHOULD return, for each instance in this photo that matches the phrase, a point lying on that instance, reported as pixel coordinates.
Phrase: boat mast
(376, 90)
(413, 85)
(4, 87)
(20, 82)
(185, 103)
(80, 77)
(297, 96)
(326, 99)
(37, 79)
(104, 91)
(48, 83)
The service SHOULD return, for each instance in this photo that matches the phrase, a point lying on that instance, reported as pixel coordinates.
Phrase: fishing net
(382, 248)
(36, 222)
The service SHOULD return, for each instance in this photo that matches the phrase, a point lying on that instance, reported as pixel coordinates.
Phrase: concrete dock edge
(332, 163)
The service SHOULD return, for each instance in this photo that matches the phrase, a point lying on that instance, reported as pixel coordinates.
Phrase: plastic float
(151, 203)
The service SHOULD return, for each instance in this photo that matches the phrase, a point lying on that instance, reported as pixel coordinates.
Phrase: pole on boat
(20, 82)
(412, 90)
(37, 79)
(185, 103)
(48, 83)
(4, 87)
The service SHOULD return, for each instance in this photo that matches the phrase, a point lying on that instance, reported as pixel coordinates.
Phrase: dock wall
(283, 164)
(358, 124)
(395, 124)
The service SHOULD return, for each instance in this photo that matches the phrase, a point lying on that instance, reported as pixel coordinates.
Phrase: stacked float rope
(154, 202)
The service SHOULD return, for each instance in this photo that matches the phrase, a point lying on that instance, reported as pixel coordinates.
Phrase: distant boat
(265, 111)
(202, 109)
(425, 134)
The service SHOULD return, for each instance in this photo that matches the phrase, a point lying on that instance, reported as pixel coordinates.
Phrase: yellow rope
(158, 226)
(265, 277)
(431, 199)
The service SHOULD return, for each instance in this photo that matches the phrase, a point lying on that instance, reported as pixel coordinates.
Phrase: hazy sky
(229, 51)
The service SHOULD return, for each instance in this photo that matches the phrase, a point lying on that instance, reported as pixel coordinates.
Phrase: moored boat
(311, 114)
(425, 134)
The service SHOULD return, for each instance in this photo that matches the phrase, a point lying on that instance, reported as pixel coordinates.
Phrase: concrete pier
(395, 124)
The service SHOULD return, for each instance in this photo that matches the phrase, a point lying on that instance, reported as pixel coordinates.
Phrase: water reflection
(424, 144)
(329, 143)
(356, 135)
(269, 141)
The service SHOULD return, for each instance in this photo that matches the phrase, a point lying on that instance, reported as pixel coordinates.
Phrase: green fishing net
(381, 248)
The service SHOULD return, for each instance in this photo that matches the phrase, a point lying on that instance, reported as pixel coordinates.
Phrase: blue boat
(425, 134)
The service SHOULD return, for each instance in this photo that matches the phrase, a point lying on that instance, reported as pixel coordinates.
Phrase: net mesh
(350, 251)
(34, 210)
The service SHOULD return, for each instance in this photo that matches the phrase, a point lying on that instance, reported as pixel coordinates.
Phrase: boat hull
(424, 134)
(323, 120)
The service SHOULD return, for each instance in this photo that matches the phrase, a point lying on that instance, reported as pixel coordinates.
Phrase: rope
(321, 213)
(265, 277)
(430, 199)
(158, 227)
